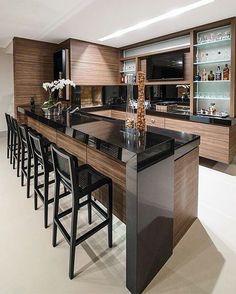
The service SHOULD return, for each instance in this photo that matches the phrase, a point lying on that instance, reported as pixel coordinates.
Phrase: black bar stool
(27, 156)
(9, 135)
(16, 146)
(43, 159)
(80, 181)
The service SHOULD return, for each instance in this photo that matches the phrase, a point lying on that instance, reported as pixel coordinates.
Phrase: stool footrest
(62, 229)
(99, 209)
(91, 232)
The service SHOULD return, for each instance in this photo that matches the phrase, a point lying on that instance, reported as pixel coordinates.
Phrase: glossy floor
(203, 262)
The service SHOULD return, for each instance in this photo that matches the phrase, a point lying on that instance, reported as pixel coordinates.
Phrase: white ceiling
(57, 20)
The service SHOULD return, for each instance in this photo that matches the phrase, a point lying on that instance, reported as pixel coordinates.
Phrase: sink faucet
(74, 110)
(59, 107)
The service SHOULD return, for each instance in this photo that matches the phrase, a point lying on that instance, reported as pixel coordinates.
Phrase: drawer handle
(152, 121)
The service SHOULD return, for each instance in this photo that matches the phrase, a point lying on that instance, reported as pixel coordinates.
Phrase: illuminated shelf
(212, 62)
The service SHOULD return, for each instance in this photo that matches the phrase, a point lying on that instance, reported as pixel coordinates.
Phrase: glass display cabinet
(212, 71)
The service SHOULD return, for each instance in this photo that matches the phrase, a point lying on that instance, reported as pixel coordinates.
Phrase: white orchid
(57, 85)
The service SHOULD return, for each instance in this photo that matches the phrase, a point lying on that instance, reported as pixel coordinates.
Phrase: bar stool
(43, 159)
(26, 155)
(9, 135)
(80, 181)
(16, 146)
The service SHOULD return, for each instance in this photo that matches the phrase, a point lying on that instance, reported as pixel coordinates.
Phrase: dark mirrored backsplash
(89, 96)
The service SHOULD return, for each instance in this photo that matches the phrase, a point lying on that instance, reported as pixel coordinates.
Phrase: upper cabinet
(93, 64)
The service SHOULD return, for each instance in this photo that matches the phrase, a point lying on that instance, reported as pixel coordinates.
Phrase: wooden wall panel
(33, 65)
(185, 193)
(73, 146)
(93, 64)
(117, 172)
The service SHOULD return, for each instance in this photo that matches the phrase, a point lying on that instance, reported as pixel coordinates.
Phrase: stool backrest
(65, 165)
(14, 125)
(36, 146)
(8, 120)
(23, 132)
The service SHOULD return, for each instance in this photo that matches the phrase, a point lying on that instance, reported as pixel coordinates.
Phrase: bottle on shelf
(211, 76)
(122, 78)
(197, 77)
(204, 75)
(226, 73)
(218, 74)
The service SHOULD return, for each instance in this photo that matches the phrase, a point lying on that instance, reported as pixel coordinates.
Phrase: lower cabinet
(215, 140)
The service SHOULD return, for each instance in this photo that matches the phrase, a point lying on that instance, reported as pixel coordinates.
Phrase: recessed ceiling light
(143, 24)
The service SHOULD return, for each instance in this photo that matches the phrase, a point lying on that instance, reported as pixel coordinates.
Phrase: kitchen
(137, 118)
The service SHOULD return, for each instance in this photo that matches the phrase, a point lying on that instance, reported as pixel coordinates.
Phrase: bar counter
(155, 181)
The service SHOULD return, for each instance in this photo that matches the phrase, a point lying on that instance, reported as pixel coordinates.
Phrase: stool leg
(55, 213)
(89, 209)
(11, 147)
(28, 174)
(35, 184)
(110, 203)
(74, 218)
(18, 160)
(14, 151)
(46, 186)
(22, 165)
(8, 143)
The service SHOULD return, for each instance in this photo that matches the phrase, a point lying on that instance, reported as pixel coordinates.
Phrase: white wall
(6, 87)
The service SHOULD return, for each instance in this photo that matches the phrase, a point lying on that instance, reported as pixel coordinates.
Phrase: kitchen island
(155, 181)
(218, 135)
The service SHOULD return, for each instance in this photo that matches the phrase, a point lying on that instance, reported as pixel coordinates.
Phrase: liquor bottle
(226, 73)
(211, 76)
(218, 74)
(204, 75)
(197, 77)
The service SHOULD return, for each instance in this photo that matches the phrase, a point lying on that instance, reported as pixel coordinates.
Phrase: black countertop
(228, 121)
(108, 136)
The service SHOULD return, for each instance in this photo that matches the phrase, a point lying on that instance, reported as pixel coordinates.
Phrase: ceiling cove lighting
(170, 14)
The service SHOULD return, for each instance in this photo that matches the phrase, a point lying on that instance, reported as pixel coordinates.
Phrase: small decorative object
(185, 91)
(212, 108)
(218, 74)
(197, 77)
(211, 76)
(226, 73)
(51, 87)
(32, 103)
(204, 75)
(141, 124)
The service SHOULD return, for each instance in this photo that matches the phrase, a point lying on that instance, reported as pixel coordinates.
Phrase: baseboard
(3, 134)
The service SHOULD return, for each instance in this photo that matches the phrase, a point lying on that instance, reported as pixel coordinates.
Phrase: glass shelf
(213, 62)
(212, 98)
(215, 81)
(127, 71)
(217, 42)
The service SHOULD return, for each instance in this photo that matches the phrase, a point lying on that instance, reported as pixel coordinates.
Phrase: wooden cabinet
(93, 64)
(118, 114)
(155, 121)
(106, 113)
(214, 139)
